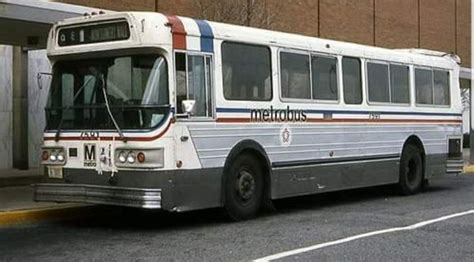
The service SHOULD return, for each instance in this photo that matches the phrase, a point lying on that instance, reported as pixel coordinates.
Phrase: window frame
(270, 67)
(211, 88)
(310, 55)
(390, 103)
(432, 68)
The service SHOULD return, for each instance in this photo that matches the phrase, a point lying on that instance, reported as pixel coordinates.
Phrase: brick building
(443, 25)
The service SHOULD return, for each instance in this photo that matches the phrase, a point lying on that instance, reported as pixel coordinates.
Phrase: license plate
(55, 172)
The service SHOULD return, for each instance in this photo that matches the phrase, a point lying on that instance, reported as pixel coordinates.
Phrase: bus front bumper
(96, 194)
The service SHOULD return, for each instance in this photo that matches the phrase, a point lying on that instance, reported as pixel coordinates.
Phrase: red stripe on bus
(178, 32)
(117, 138)
(346, 120)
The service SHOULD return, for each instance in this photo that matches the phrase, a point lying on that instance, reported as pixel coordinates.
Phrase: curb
(16, 217)
(468, 169)
(20, 180)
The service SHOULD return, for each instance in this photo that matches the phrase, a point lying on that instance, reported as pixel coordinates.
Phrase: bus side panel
(371, 152)
(332, 177)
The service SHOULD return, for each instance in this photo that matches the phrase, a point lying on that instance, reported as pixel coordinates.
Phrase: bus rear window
(432, 87)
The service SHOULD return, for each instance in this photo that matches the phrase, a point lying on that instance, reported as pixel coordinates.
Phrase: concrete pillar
(20, 108)
(471, 132)
(6, 95)
(37, 63)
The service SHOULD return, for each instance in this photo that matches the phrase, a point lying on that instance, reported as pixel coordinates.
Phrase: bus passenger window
(377, 76)
(324, 77)
(352, 80)
(424, 86)
(180, 80)
(441, 87)
(399, 84)
(197, 83)
(194, 83)
(246, 72)
(295, 76)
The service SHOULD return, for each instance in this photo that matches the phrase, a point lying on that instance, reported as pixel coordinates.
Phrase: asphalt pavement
(123, 234)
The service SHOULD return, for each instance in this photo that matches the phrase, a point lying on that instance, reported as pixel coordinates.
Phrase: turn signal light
(45, 155)
(141, 157)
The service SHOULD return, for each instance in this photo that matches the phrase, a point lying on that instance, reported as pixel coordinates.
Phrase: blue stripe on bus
(247, 110)
(207, 37)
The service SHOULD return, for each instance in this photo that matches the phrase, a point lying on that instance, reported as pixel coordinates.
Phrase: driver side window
(193, 82)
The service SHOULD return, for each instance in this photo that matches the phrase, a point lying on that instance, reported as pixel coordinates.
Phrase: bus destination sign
(93, 34)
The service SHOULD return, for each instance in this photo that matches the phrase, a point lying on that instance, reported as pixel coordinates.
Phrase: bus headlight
(122, 157)
(52, 157)
(131, 158)
(60, 157)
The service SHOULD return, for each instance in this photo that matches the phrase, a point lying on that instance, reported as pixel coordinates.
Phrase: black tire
(411, 170)
(244, 187)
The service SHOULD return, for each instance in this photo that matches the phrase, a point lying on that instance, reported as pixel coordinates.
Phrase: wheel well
(416, 141)
(255, 149)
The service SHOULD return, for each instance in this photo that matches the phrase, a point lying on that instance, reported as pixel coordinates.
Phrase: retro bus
(164, 112)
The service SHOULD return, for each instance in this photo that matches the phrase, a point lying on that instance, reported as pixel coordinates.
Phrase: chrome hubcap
(245, 185)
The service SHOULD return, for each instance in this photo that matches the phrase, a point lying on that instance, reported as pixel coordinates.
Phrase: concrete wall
(37, 62)
(6, 107)
(37, 98)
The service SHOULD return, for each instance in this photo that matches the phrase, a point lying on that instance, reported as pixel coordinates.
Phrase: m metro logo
(90, 155)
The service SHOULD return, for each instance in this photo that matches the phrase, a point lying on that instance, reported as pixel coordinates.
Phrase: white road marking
(355, 237)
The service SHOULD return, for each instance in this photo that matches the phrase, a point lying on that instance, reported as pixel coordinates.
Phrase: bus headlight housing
(53, 156)
(147, 158)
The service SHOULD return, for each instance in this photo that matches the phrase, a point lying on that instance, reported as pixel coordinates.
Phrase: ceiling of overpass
(27, 22)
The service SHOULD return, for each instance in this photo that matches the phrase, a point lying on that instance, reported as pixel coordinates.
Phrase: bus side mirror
(189, 107)
(39, 78)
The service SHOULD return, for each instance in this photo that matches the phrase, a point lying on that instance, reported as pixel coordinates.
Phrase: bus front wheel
(244, 188)
(411, 170)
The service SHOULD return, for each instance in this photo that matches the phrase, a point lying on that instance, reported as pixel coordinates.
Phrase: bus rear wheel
(411, 170)
(244, 188)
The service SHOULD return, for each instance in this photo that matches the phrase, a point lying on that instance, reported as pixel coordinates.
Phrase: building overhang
(27, 23)
(465, 73)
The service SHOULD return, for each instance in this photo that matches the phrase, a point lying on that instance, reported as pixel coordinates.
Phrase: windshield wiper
(109, 111)
(58, 131)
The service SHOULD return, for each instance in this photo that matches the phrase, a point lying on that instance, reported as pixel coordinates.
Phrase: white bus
(173, 113)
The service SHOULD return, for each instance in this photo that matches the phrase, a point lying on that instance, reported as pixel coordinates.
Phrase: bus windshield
(136, 88)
